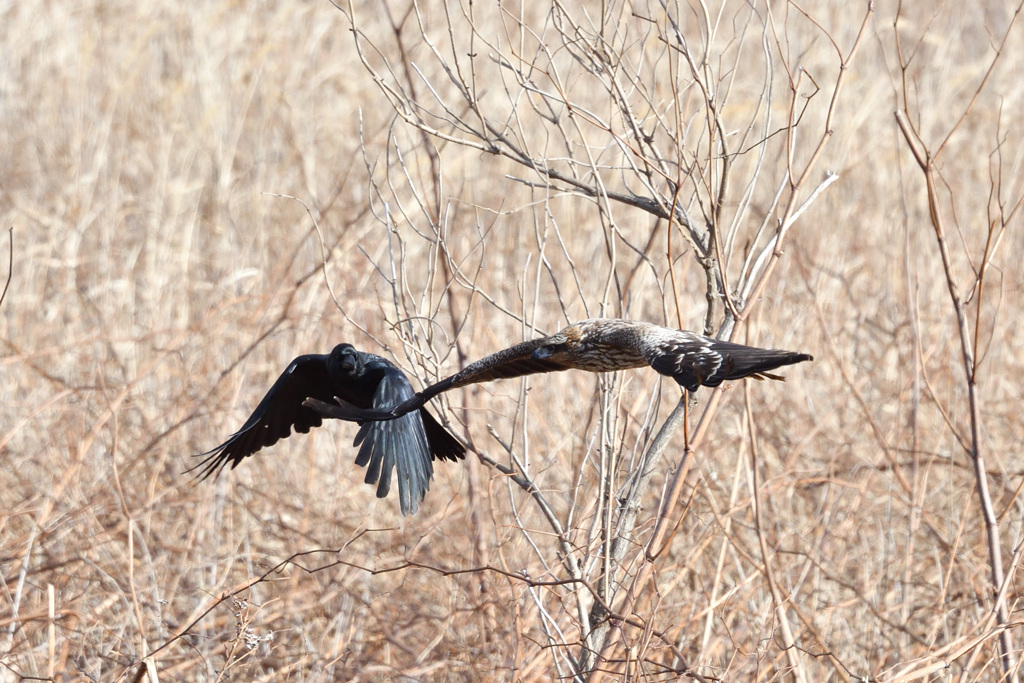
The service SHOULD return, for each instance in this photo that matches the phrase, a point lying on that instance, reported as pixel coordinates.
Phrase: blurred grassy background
(162, 279)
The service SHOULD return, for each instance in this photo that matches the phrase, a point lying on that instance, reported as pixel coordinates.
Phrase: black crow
(363, 380)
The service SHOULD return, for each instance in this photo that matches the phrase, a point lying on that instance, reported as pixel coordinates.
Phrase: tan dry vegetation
(162, 279)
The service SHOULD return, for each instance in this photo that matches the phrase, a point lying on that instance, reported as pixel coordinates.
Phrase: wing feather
(280, 411)
(693, 360)
(396, 446)
(515, 361)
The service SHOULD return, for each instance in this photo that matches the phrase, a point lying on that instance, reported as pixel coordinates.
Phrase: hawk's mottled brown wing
(515, 361)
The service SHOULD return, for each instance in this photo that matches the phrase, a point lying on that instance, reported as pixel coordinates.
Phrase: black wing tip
(448, 452)
(787, 358)
(212, 463)
(443, 445)
(778, 359)
(455, 454)
(456, 451)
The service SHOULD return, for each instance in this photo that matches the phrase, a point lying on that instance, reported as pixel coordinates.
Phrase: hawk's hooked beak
(549, 351)
(556, 345)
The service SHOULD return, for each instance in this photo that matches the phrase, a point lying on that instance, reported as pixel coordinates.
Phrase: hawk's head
(560, 347)
(554, 348)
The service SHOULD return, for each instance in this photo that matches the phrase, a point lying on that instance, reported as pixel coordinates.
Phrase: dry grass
(160, 284)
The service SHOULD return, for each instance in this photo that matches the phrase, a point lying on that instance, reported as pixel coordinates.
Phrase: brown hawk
(598, 345)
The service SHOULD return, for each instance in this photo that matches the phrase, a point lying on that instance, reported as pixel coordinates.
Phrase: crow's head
(344, 361)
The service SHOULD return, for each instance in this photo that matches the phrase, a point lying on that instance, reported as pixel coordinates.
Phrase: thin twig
(10, 263)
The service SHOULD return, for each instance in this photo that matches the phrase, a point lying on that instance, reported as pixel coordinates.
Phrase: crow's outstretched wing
(399, 444)
(280, 411)
(443, 446)
(364, 381)
(515, 361)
